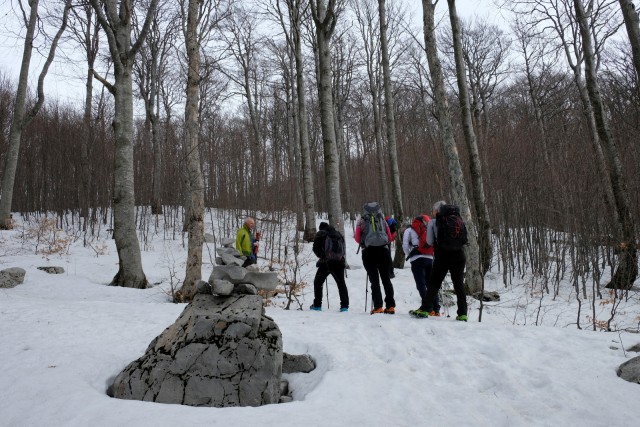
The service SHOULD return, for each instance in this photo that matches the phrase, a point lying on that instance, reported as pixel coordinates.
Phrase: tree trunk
(627, 271)
(325, 20)
(305, 150)
(475, 165)
(115, 20)
(195, 183)
(17, 122)
(21, 118)
(396, 191)
(473, 276)
(632, 22)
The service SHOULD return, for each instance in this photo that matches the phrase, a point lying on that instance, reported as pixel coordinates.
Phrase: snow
(64, 337)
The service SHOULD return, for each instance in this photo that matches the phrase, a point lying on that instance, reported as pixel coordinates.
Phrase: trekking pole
(326, 285)
(366, 292)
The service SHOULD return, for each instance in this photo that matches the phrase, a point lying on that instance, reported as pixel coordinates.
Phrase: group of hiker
(433, 245)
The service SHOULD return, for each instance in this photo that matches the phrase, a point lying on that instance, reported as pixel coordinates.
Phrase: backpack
(334, 249)
(419, 225)
(374, 226)
(452, 233)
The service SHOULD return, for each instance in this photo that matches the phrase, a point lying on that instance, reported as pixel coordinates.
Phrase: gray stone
(52, 270)
(297, 363)
(630, 370)
(12, 277)
(286, 399)
(209, 238)
(232, 273)
(245, 289)
(203, 287)
(221, 351)
(238, 275)
(228, 242)
(635, 348)
(487, 296)
(228, 259)
(228, 251)
(267, 280)
(222, 287)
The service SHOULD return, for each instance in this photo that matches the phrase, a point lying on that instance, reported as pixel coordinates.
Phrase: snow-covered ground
(64, 337)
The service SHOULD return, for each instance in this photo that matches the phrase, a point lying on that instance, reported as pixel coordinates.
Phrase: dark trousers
(376, 261)
(421, 269)
(335, 269)
(447, 262)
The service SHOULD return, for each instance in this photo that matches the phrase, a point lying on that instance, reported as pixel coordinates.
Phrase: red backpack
(419, 225)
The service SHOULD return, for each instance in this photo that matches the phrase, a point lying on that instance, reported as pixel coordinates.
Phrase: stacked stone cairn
(222, 350)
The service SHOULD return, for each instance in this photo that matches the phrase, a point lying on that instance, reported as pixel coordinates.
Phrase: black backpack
(334, 249)
(452, 233)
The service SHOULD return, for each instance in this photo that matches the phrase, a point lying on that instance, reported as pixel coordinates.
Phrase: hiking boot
(419, 313)
(435, 314)
(314, 308)
(377, 310)
(390, 310)
(462, 317)
(344, 309)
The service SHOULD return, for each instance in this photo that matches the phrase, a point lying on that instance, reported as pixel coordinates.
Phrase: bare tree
(627, 271)
(475, 165)
(86, 30)
(201, 18)
(296, 12)
(115, 18)
(632, 23)
(369, 31)
(325, 17)
(151, 70)
(389, 104)
(21, 117)
(473, 275)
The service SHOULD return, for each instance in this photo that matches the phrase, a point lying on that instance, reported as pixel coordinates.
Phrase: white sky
(66, 80)
(64, 337)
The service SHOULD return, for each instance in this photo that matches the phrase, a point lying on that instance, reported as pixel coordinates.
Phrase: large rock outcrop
(221, 351)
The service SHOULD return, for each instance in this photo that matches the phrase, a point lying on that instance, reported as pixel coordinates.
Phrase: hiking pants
(335, 269)
(421, 269)
(447, 262)
(376, 261)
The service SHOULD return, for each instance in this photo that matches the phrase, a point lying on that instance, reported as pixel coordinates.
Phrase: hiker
(373, 235)
(420, 254)
(448, 234)
(393, 229)
(329, 247)
(247, 241)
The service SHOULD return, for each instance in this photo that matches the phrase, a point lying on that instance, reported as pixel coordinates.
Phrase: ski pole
(326, 285)
(366, 292)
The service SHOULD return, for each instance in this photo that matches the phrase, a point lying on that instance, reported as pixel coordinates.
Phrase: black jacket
(321, 236)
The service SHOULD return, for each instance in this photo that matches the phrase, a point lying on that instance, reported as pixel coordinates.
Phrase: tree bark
(325, 20)
(475, 165)
(115, 19)
(473, 276)
(632, 23)
(627, 270)
(21, 118)
(396, 191)
(295, 17)
(195, 183)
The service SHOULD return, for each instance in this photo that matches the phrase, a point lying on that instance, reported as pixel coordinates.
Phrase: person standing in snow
(247, 241)
(449, 257)
(420, 255)
(373, 236)
(329, 247)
